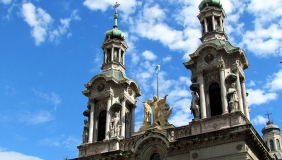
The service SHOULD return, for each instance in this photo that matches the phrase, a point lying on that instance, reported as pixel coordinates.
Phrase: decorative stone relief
(100, 87)
(101, 106)
(130, 92)
(239, 147)
(215, 124)
(209, 58)
(96, 150)
(194, 155)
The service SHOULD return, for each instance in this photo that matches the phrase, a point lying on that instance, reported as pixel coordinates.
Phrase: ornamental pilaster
(202, 94)
(223, 88)
(244, 96)
(91, 118)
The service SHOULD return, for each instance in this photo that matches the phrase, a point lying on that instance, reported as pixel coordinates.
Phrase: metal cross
(116, 5)
(268, 115)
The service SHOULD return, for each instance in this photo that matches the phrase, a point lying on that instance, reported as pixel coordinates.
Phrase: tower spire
(116, 15)
(268, 115)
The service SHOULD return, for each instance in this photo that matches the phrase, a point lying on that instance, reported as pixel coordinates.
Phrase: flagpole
(158, 85)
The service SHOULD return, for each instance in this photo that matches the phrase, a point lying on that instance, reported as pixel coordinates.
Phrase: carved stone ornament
(209, 58)
(130, 91)
(239, 147)
(100, 87)
(195, 155)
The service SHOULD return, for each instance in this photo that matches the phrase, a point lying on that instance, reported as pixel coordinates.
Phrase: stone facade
(220, 130)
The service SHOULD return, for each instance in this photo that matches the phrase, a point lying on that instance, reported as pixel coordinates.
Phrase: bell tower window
(102, 125)
(278, 144)
(215, 99)
(209, 24)
(271, 143)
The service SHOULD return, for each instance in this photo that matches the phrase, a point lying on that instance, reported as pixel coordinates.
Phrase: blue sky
(50, 49)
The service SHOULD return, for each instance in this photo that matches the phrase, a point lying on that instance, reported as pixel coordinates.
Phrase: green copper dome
(215, 3)
(115, 33)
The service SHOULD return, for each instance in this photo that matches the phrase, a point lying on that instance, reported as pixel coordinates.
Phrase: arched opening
(102, 125)
(271, 143)
(155, 156)
(215, 99)
(278, 144)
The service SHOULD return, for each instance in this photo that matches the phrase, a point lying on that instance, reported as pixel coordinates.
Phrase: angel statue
(147, 112)
(162, 111)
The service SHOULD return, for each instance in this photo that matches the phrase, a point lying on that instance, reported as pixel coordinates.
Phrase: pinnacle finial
(116, 15)
(268, 115)
(116, 6)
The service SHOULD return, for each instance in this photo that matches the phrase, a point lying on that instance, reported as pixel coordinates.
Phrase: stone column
(119, 55)
(108, 116)
(132, 119)
(112, 55)
(206, 25)
(245, 102)
(238, 88)
(123, 117)
(221, 24)
(96, 126)
(123, 56)
(213, 23)
(202, 95)
(91, 123)
(105, 55)
(223, 90)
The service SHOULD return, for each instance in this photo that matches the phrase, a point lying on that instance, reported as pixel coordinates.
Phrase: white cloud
(126, 6)
(69, 142)
(275, 82)
(38, 19)
(262, 41)
(6, 2)
(153, 27)
(148, 55)
(11, 155)
(35, 117)
(63, 28)
(167, 59)
(252, 83)
(41, 23)
(52, 98)
(258, 97)
(182, 114)
(259, 120)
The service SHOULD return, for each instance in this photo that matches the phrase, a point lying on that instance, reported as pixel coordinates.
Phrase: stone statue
(147, 112)
(85, 131)
(195, 108)
(233, 98)
(147, 115)
(162, 111)
(115, 125)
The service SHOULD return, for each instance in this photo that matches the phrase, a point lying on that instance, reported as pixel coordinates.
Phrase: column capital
(200, 72)
(242, 79)
(109, 95)
(123, 98)
(92, 100)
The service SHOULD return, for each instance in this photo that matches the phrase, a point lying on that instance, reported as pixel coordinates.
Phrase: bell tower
(212, 20)
(112, 98)
(218, 79)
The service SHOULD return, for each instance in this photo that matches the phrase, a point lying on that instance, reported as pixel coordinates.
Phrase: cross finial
(116, 5)
(268, 115)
